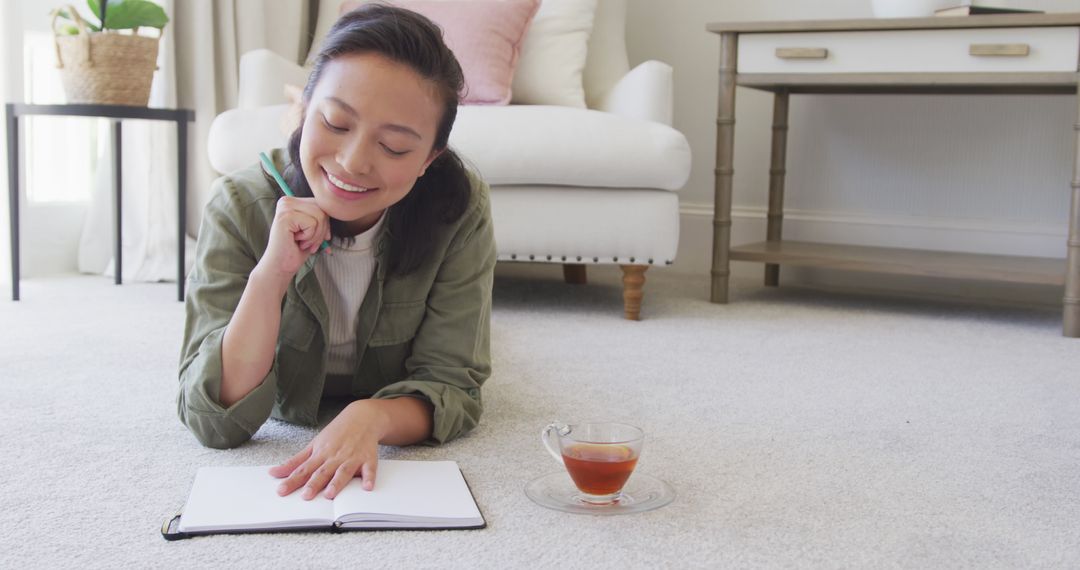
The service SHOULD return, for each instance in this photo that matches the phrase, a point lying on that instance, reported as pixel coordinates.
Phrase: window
(61, 152)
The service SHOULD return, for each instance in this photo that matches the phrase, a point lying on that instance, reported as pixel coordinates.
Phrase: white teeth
(344, 186)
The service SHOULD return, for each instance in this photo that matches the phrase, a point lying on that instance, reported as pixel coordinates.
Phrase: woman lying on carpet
(395, 314)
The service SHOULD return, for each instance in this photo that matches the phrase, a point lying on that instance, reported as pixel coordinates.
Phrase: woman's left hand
(348, 446)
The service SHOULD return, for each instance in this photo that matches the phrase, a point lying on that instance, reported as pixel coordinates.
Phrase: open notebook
(407, 495)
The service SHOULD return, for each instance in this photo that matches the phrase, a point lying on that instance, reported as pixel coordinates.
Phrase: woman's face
(369, 130)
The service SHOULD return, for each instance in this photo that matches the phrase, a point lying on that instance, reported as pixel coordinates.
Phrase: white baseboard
(975, 236)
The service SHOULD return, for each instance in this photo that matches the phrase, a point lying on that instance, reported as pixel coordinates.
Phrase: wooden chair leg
(633, 281)
(574, 273)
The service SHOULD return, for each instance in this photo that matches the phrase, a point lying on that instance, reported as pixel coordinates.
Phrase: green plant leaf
(95, 8)
(70, 30)
(131, 14)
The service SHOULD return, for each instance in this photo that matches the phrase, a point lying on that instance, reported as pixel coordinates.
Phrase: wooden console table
(1000, 54)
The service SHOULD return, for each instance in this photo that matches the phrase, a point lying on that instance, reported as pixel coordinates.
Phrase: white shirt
(344, 276)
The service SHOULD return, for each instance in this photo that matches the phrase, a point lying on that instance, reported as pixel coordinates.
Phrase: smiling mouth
(345, 185)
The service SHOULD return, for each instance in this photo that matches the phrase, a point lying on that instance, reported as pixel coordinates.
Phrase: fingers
(311, 244)
(285, 469)
(304, 229)
(344, 474)
(308, 246)
(310, 241)
(314, 474)
(368, 474)
(305, 205)
(318, 480)
(334, 479)
(302, 217)
(328, 477)
(298, 477)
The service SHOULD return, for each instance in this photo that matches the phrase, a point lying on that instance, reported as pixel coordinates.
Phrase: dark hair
(442, 193)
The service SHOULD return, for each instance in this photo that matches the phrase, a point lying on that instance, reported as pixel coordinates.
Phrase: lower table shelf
(1015, 269)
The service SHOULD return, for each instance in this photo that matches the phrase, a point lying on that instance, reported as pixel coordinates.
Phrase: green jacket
(426, 334)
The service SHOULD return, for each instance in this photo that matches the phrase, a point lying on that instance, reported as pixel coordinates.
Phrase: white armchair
(569, 185)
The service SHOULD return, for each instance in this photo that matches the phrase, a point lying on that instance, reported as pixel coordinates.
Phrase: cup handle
(556, 428)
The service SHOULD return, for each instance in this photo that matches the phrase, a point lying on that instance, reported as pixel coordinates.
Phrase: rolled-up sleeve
(451, 353)
(223, 262)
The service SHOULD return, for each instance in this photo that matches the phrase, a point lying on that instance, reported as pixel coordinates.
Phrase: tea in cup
(598, 456)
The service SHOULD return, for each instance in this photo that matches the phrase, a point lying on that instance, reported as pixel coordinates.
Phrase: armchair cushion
(547, 144)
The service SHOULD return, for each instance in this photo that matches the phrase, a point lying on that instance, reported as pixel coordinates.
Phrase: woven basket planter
(106, 67)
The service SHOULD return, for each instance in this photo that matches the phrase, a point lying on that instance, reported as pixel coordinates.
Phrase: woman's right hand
(297, 232)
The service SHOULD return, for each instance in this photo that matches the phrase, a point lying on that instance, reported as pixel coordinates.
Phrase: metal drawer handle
(993, 50)
(802, 53)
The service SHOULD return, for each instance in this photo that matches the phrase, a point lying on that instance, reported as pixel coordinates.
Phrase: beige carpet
(800, 429)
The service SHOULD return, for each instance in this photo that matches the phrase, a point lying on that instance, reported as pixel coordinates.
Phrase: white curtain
(198, 66)
(149, 191)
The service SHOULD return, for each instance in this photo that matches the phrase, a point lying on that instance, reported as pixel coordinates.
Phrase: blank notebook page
(246, 497)
(411, 490)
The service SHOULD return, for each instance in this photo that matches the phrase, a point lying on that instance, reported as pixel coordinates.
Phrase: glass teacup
(600, 457)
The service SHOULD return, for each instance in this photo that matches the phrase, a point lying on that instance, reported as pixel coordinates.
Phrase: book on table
(967, 10)
(407, 495)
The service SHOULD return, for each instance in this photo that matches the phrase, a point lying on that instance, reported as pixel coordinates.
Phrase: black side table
(118, 113)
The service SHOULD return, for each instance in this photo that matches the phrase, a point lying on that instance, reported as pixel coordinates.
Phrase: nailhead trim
(532, 257)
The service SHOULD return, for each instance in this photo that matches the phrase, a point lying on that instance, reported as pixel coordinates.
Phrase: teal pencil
(281, 182)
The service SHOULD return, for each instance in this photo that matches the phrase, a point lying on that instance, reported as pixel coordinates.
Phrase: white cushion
(552, 61)
(607, 62)
(585, 225)
(542, 144)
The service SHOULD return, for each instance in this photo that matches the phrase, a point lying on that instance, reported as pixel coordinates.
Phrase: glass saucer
(641, 493)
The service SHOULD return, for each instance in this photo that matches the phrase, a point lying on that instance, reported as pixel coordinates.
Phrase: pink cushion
(485, 36)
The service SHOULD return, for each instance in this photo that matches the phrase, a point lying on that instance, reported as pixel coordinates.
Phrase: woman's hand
(348, 446)
(297, 232)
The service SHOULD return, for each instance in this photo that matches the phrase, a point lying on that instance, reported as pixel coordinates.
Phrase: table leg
(1071, 311)
(13, 196)
(777, 170)
(181, 205)
(118, 176)
(725, 151)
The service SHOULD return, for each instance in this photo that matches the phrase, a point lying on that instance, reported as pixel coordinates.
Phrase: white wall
(987, 174)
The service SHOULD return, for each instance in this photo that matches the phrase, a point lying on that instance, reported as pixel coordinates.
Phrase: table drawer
(1052, 49)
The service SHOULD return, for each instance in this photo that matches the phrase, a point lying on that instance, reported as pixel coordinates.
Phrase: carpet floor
(799, 428)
